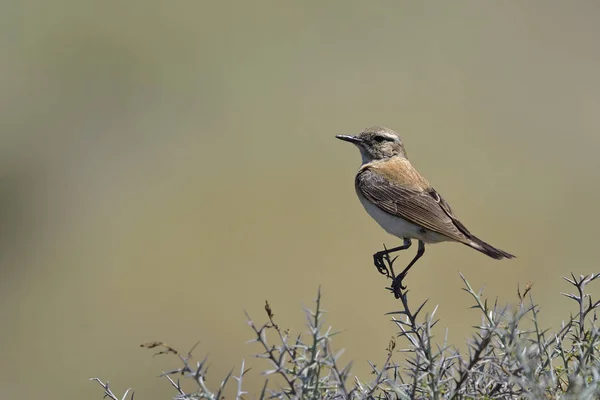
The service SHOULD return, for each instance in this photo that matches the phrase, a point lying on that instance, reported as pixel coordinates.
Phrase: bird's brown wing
(421, 207)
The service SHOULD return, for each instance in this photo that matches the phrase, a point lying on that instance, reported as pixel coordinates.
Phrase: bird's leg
(378, 258)
(397, 285)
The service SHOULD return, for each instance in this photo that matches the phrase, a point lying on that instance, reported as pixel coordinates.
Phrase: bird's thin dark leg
(397, 284)
(378, 257)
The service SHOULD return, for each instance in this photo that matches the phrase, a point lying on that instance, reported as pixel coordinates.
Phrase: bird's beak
(348, 138)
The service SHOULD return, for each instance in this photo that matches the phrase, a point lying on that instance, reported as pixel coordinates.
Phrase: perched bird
(403, 202)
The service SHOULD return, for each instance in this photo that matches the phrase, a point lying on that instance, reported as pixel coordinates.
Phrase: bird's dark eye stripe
(380, 139)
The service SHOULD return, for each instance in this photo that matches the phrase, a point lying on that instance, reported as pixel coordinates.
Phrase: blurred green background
(167, 164)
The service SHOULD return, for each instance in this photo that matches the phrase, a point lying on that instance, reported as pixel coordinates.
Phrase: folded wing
(422, 207)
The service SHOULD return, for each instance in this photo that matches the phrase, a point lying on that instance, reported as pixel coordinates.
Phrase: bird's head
(377, 143)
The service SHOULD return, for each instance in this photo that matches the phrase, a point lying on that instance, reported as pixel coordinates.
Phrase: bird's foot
(397, 286)
(378, 260)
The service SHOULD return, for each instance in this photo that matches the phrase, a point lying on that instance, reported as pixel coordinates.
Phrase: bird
(404, 203)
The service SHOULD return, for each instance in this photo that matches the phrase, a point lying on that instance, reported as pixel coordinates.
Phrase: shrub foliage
(510, 356)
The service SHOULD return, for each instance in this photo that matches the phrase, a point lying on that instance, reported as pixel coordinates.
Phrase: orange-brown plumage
(399, 171)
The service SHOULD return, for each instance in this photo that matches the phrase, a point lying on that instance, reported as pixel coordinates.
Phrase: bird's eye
(379, 139)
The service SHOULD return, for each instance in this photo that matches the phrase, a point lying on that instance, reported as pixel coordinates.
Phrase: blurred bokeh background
(165, 165)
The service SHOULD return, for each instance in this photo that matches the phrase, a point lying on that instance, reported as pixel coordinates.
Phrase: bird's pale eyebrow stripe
(388, 136)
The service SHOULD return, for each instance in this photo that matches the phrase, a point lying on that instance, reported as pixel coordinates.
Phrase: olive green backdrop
(167, 164)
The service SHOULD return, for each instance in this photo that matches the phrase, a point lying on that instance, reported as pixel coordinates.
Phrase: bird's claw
(397, 286)
(379, 263)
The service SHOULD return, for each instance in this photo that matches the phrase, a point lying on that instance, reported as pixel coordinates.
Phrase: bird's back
(399, 170)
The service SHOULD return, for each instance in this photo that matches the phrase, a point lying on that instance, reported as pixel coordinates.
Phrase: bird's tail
(487, 249)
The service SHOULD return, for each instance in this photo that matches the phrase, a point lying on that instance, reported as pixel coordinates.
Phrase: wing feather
(422, 207)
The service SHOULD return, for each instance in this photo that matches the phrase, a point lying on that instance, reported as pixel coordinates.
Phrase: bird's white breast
(398, 226)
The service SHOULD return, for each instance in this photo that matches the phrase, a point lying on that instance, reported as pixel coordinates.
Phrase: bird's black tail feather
(488, 249)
